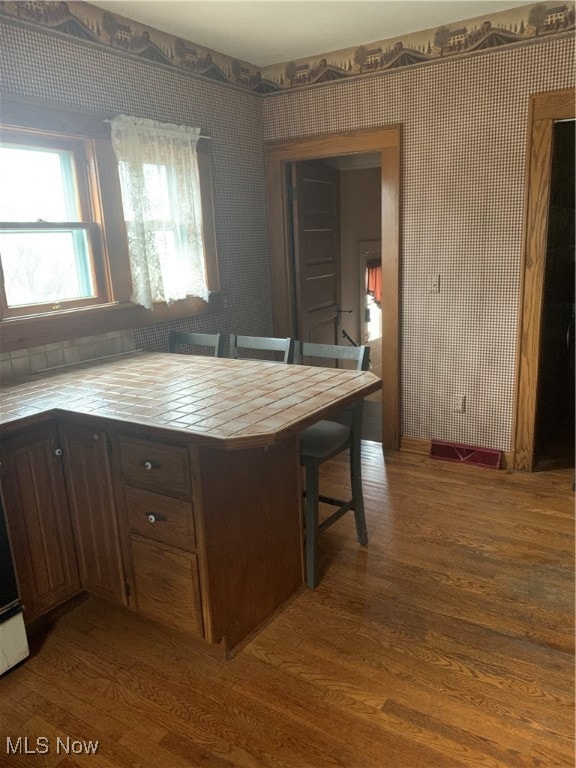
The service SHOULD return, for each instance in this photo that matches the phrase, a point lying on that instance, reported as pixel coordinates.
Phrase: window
(66, 270)
(160, 180)
(50, 243)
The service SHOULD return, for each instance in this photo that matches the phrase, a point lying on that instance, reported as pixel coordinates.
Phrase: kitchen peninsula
(167, 483)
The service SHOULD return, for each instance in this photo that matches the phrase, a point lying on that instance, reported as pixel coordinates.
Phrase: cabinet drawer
(161, 518)
(167, 587)
(155, 466)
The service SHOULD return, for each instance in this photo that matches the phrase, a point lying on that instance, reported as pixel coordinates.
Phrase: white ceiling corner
(265, 32)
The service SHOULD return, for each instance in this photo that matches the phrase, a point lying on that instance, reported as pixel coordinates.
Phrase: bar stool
(321, 442)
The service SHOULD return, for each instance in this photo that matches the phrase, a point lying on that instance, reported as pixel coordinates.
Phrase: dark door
(554, 443)
(315, 211)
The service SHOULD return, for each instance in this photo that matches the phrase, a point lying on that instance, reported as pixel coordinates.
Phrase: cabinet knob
(57, 451)
(150, 464)
(155, 517)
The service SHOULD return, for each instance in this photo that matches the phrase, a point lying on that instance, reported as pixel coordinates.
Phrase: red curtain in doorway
(374, 280)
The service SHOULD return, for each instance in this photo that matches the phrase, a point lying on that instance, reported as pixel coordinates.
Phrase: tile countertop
(226, 403)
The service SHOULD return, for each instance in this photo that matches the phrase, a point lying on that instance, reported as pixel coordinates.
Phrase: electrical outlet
(434, 283)
(460, 404)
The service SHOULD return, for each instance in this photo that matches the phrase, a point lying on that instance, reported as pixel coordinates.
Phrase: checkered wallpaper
(464, 132)
(464, 128)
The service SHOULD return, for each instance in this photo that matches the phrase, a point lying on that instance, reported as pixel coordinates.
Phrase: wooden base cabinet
(61, 513)
(39, 524)
(93, 511)
(159, 519)
(214, 536)
(166, 585)
(205, 540)
(249, 527)
(199, 528)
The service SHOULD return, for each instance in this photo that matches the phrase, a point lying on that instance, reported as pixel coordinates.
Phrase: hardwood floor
(447, 642)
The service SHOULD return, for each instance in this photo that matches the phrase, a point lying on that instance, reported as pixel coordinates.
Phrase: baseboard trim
(415, 445)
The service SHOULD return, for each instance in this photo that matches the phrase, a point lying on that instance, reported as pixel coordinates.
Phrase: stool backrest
(213, 340)
(304, 349)
(262, 344)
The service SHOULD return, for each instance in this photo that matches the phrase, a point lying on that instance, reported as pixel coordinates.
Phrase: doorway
(554, 434)
(370, 301)
(545, 399)
(369, 269)
(280, 158)
(334, 217)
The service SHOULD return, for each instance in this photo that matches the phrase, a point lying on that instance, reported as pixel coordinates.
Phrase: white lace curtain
(160, 183)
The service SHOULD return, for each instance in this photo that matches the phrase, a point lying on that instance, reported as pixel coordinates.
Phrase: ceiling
(265, 32)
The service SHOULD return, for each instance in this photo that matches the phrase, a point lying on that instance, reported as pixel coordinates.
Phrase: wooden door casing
(545, 109)
(386, 141)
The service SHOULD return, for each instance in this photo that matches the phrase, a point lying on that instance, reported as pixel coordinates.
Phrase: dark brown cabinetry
(159, 519)
(207, 517)
(38, 518)
(167, 587)
(182, 535)
(93, 511)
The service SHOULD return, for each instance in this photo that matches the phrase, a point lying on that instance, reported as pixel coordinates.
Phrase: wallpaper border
(497, 31)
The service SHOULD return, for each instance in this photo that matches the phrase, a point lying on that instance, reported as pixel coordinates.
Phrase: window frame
(81, 151)
(116, 312)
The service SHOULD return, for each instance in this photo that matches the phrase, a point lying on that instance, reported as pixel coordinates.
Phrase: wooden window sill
(24, 332)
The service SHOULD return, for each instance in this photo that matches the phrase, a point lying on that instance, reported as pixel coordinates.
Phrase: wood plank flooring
(447, 642)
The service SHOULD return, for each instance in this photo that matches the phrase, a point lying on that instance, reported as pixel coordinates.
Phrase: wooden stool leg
(356, 479)
(311, 519)
(356, 482)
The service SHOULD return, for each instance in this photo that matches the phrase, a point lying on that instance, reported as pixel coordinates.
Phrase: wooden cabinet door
(38, 519)
(93, 511)
(167, 587)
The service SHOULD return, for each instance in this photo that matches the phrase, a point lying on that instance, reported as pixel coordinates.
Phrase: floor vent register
(465, 454)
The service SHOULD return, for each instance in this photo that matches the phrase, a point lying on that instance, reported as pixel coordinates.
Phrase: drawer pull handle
(155, 517)
(151, 464)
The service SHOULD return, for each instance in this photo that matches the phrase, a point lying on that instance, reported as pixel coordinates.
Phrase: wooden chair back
(213, 340)
(283, 347)
(304, 349)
